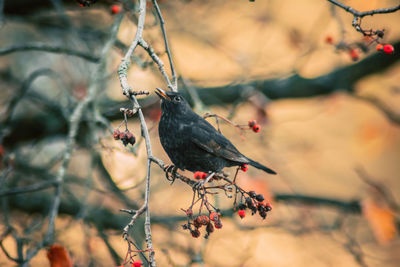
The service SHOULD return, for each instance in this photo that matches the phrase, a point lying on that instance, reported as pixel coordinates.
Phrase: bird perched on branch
(192, 143)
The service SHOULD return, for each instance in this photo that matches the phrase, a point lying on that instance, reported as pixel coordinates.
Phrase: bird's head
(173, 102)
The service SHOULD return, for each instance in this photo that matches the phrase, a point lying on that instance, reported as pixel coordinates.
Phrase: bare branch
(164, 32)
(49, 49)
(389, 113)
(28, 189)
(365, 13)
(126, 90)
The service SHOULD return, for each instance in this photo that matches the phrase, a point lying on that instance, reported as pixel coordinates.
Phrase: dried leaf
(381, 220)
(59, 256)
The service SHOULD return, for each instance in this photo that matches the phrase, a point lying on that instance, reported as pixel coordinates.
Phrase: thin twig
(365, 13)
(164, 32)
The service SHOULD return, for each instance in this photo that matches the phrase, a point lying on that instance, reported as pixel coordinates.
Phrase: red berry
(379, 47)
(189, 212)
(218, 224)
(256, 128)
(137, 263)
(388, 49)
(214, 216)
(260, 198)
(329, 39)
(268, 206)
(116, 134)
(354, 54)
(122, 135)
(242, 213)
(198, 175)
(130, 138)
(195, 233)
(252, 123)
(244, 167)
(115, 9)
(261, 203)
(202, 220)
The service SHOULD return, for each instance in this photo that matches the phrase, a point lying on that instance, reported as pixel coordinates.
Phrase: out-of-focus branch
(297, 86)
(1, 13)
(27, 189)
(389, 113)
(49, 49)
(74, 122)
(348, 206)
(108, 219)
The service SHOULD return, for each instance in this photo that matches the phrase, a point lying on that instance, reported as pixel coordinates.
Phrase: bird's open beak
(161, 93)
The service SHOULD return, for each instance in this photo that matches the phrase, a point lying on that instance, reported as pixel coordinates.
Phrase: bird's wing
(205, 136)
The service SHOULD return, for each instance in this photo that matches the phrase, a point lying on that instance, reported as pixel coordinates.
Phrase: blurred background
(326, 100)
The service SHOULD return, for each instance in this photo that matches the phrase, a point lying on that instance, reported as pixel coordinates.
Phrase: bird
(192, 143)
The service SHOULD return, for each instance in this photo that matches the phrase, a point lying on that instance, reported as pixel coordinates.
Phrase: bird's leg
(201, 183)
(170, 169)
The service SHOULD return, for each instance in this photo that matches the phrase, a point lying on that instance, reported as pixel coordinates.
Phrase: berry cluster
(254, 126)
(243, 200)
(386, 48)
(255, 203)
(210, 222)
(355, 49)
(126, 137)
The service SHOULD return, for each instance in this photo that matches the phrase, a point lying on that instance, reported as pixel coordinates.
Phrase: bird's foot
(200, 184)
(170, 173)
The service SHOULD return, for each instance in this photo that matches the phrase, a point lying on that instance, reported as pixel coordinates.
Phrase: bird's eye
(177, 98)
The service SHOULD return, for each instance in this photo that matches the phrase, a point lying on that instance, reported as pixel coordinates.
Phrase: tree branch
(365, 13)
(49, 49)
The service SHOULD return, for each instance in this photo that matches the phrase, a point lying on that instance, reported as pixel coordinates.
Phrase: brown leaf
(381, 220)
(59, 256)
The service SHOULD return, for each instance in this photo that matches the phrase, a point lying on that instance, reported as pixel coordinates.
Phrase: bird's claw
(200, 184)
(170, 173)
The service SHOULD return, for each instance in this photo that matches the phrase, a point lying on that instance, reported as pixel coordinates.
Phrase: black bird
(192, 143)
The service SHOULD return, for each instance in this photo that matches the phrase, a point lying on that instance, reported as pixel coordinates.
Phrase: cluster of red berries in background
(254, 126)
(254, 202)
(210, 222)
(126, 137)
(386, 48)
(114, 9)
(136, 263)
(354, 50)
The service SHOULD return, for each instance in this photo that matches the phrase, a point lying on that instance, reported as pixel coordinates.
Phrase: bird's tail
(261, 167)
